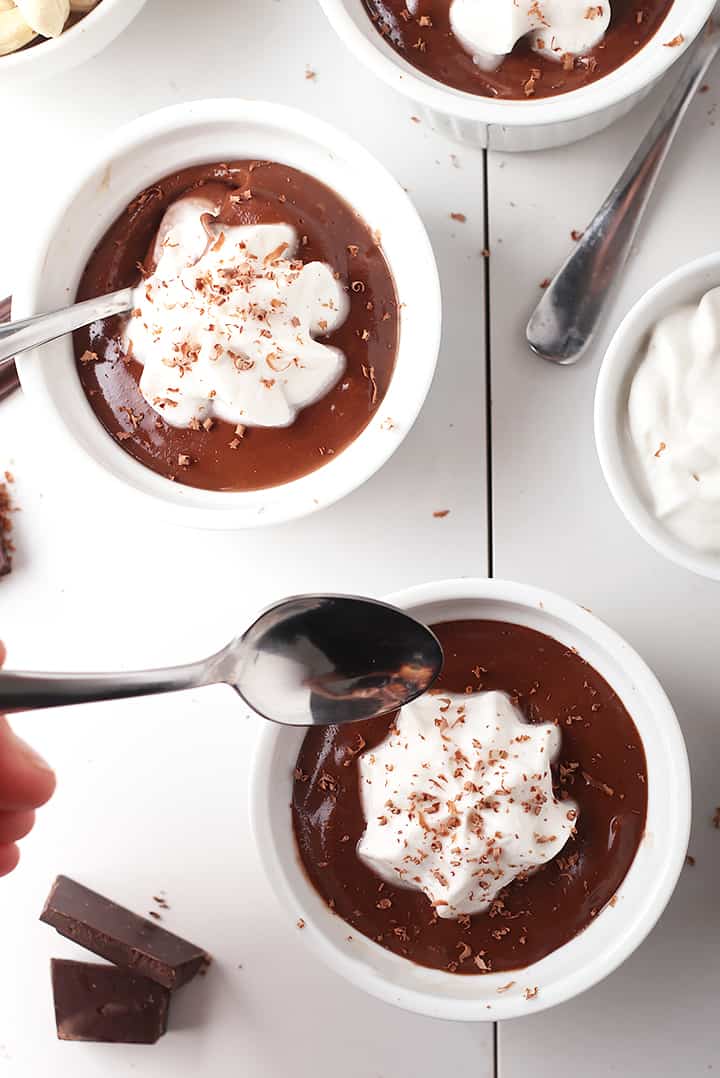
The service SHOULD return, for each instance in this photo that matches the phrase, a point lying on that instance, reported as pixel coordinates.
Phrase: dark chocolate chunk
(120, 936)
(104, 1003)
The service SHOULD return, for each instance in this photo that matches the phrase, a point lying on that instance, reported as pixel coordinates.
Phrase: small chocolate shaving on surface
(690, 860)
(299, 923)
(716, 818)
(440, 513)
(531, 993)
(459, 217)
(369, 373)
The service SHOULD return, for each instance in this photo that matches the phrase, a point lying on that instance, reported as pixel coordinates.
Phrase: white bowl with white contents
(616, 931)
(132, 159)
(512, 124)
(49, 56)
(640, 456)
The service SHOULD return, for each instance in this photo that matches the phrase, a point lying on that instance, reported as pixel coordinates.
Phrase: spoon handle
(17, 337)
(8, 375)
(565, 320)
(21, 691)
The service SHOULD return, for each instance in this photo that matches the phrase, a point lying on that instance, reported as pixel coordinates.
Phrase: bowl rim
(632, 931)
(640, 71)
(620, 359)
(343, 473)
(46, 50)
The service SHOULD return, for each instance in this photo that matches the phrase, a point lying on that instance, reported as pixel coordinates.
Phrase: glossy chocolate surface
(433, 49)
(601, 766)
(331, 232)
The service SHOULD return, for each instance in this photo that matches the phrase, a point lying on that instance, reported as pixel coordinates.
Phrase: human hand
(26, 782)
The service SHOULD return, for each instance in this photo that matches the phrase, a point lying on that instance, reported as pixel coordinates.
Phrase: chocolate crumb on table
(6, 545)
(716, 818)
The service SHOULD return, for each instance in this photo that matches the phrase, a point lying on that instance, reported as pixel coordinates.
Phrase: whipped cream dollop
(458, 800)
(226, 326)
(674, 422)
(490, 29)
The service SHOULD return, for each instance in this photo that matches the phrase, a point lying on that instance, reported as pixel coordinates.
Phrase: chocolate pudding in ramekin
(505, 841)
(265, 333)
(513, 75)
(284, 326)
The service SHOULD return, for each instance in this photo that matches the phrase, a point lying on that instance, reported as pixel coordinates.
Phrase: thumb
(26, 781)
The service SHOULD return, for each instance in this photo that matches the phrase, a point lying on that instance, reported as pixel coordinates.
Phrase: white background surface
(153, 795)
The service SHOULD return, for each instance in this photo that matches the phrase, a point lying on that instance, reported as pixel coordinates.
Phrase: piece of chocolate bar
(114, 933)
(104, 1003)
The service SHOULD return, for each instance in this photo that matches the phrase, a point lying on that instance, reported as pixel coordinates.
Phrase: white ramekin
(136, 156)
(612, 439)
(520, 125)
(617, 930)
(86, 38)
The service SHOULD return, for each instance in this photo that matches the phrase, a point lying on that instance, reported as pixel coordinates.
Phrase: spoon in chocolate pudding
(16, 337)
(312, 660)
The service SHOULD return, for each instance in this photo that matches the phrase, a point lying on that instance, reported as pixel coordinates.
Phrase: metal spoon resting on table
(567, 317)
(313, 660)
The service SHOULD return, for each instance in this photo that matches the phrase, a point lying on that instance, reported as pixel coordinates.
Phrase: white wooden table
(152, 795)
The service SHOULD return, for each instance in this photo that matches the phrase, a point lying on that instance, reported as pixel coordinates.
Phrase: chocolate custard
(223, 458)
(426, 41)
(601, 767)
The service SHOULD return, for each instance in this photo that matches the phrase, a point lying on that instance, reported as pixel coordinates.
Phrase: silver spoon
(16, 337)
(313, 660)
(566, 318)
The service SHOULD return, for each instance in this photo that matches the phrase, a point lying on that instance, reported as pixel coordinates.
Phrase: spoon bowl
(311, 660)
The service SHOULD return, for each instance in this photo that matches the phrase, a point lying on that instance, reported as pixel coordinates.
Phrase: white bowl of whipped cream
(616, 930)
(488, 31)
(657, 417)
(129, 161)
(43, 38)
